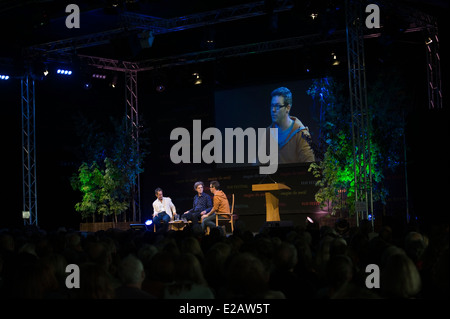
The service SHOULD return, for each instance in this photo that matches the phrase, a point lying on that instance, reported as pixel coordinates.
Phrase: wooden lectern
(272, 210)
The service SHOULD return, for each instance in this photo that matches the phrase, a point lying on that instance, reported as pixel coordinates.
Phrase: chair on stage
(229, 218)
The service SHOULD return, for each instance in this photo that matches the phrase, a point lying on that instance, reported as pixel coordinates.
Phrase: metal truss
(210, 55)
(133, 23)
(361, 132)
(434, 82)
(241, 50)
(29, 212)
(109, 64)
(427, 24)
(72, 44)
(243, 11)
(132, 112)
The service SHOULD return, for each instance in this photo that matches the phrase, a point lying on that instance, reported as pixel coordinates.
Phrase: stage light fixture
(335, 60)
(64, 72)
(197, 79)
(148, 222)
(4, 77)
(87, 85)
(313, 15)
(160, 88)
(146, 39)
(99, 76)
(113, 82)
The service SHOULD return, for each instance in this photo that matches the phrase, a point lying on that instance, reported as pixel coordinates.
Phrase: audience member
(160, 273)
(301, 263)
(283, 277)
(399, 278)
(131, 274)
(95, 283)
(246, 277)
(339, 271)
(189, 282)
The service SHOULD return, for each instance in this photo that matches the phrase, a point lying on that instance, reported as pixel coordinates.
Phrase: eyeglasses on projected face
(277, 107)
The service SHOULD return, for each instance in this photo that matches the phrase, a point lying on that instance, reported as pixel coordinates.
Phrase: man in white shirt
(163, 209)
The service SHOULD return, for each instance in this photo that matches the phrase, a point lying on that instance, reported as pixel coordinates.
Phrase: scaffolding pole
(433, 69)
(132, 113)
(29, 213)
(359, 111)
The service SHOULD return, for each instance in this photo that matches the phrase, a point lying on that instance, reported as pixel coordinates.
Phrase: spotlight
(148, 222)
(99, 76)
(4, 77)
(335, 60)
(313, 15)
(113, 82)
(87, 85)
(64, 72)
(309, 220)
(146, 39)
(197, 79)
(160, 88)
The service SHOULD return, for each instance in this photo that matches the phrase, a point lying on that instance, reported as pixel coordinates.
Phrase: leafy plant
(107, 178)
(335, 168)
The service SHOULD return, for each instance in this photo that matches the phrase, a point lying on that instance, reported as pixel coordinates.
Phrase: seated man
(202, 204)
(220, 205)
(163, 209)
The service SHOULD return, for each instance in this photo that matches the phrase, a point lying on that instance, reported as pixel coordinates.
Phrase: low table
(177, 225)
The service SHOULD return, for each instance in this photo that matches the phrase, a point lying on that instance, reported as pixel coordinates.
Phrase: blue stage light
(148, 222)
(64, 72)
(4, 77)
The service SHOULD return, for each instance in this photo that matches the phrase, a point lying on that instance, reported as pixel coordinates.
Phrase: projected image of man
(293, 137)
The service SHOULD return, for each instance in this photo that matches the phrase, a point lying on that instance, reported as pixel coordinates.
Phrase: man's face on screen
(278, 109)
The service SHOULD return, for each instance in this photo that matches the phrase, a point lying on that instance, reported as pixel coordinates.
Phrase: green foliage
(108, 176)
(335, 170)
(89, 182)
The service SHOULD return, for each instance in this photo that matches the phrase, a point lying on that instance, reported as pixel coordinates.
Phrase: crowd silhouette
(311, 262)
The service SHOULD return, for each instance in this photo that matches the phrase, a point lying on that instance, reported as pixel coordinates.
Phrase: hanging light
(197, 78)
(335, 60)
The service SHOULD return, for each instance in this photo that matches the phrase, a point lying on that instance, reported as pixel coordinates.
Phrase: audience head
(95, 283)
(247, 276)
(399, 278)
(131, 271)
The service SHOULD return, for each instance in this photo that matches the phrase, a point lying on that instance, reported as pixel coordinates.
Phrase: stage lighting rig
(64, 72)
(113, 82)
(335, 61)
(99, 76)
(197, 78)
